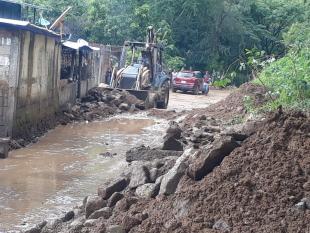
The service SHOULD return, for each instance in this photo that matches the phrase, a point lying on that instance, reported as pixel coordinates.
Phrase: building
(30, 59)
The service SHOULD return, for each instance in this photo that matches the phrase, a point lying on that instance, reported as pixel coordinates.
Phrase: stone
(301, 205)
(221, 226)
(212, 157)
(116, 186)
(52, 226)
(307, 202)
(139, 176)
(146, 191)
(306, 186)
(124, 204)
(38, 228)
(172, 138)
(104, 213)
(143, 153)
(114, 199)
(171, 180)
(93, 204)
(68, 216)
(173, 144)
(130, 222)
(153, 175)
(174, 131)
(78, 223)
(90, 222)
(115, 229)
(124, 107)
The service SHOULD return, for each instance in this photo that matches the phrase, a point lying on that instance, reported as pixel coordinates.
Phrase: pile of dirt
(262, 186)
(234, 105)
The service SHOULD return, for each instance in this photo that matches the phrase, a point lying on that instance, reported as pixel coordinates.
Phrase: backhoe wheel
(165, 92)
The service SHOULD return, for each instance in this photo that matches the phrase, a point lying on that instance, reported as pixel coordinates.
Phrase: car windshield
(184, 75)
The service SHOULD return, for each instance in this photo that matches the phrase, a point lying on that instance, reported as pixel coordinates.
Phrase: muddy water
(50, 177)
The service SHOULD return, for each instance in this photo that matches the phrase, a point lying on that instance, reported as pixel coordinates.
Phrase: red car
(188, 81)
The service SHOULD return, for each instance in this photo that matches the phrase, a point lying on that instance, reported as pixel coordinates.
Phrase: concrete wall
(9, 70)
(39, 72)
(67, 94)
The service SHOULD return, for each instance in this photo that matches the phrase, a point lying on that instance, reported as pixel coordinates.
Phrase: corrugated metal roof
(80, 44)
(24, 25)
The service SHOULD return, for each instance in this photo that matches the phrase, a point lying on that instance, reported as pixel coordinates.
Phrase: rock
(212, 158)
(143, 153)
(78, 223)
(90, 222)
(116, 186)
(93, 204)
(306, 186)
(53, 226)
(153, 175)
(171, 140)
(124, 107)
(124, 204)
(115, 229)
(307, 202)
(104, 213)
(301, 206)
(139, 176)
(221, 226)
(69, 216)
(174, 131)
(130, 222)
(171, 180)
(114, 199)
(38, 228)
(173, 144)
(146, 191)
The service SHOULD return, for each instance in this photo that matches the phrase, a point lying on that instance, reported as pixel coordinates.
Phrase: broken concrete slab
(212, 158)
(116, 186)
(171, 180)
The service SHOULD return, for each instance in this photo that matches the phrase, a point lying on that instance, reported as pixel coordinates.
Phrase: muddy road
(48, 178)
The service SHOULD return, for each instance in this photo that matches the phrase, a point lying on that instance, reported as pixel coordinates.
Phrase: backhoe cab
(141, 72)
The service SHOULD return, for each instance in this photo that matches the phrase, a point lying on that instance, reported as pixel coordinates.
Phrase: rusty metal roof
(26, 26)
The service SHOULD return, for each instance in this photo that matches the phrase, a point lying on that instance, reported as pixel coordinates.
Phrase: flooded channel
(48, 178)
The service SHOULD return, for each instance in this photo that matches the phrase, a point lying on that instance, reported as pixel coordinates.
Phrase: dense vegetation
(215, 35)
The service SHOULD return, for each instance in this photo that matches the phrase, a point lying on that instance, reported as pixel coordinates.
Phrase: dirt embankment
(99, 103)
(208, 178)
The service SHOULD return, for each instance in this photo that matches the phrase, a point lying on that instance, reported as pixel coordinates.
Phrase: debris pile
(101, 102)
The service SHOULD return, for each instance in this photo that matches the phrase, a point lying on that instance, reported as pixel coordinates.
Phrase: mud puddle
(48, 178)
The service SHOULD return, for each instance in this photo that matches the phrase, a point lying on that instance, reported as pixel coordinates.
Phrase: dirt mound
(263, 186)
(234, 105)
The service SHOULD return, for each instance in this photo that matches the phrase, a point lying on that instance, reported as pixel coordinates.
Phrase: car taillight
(191, 80)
